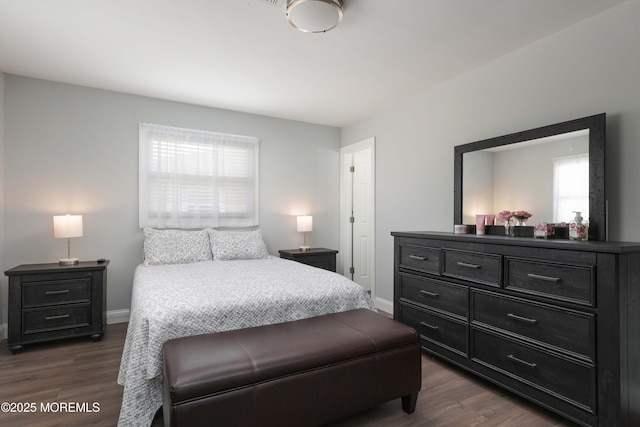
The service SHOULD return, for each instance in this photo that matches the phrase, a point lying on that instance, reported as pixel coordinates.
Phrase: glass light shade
(314, 16)
(305, 223)
(67, 226)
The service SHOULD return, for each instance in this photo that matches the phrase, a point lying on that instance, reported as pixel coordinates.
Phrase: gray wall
(70, 149)
(589, 68)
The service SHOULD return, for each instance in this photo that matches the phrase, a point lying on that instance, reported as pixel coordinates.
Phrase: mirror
(516, 172)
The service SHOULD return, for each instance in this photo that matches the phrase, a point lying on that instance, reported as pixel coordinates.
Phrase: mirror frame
(597, 137)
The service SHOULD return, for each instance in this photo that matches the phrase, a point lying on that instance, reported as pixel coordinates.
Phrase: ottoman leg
(409, 402)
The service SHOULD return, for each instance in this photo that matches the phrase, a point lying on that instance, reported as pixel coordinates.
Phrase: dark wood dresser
(52, 301)
(317, 257)
(555, 321)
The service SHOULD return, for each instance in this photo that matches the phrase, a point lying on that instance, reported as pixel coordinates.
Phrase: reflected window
(570, 189)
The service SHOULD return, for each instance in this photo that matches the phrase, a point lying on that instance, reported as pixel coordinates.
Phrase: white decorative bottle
(577, 229)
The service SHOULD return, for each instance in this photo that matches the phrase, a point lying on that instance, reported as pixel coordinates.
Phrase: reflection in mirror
(548, 177)
(549, 171)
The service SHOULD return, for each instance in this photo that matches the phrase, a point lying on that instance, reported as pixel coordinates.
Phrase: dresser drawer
(566, 330)
(473, 266)
(573, 382)
(436, 330)
(56, 292)
(420, 258)
(50, 319)
(438, 295)
(570, 283)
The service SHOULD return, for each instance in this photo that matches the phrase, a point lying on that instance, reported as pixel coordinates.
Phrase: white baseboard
(384, 305)
(117, 316)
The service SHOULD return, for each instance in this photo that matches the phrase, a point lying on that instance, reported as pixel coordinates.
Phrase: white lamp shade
(305, 223)
(67, 226)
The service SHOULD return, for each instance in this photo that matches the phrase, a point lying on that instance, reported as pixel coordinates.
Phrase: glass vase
(508, 228)
(521, 222)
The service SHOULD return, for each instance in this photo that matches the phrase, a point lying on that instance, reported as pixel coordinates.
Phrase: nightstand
(317, 257)
(53, 301)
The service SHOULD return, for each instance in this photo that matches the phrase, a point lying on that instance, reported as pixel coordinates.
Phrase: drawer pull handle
(426, 325)
(543, 278)
(522, 319)
(60, 316)
(430, 294)
(467, 265)
(522, 362)
(63, 291)
(419, 258)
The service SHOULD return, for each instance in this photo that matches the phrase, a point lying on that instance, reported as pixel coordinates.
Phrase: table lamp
(305, 225)
(66, 227)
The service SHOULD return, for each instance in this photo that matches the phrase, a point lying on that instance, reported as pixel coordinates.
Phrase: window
(570, 187)
(196, 179)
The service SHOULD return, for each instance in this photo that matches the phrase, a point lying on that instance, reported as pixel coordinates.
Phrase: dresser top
(588, 246)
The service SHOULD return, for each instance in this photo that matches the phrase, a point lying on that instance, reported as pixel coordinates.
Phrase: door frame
(345, 211)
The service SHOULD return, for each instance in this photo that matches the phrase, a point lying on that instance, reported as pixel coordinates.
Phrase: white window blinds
(196, 179)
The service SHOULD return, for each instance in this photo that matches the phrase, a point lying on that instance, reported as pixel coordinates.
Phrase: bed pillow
(175, 246)
(232, 245)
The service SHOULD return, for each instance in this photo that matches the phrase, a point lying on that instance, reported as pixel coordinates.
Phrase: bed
(171, 300)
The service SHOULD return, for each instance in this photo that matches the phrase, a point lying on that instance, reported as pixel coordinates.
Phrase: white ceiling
(243, 55)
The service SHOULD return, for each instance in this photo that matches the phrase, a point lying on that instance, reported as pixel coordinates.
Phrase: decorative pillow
(175, 246)
(230, 245)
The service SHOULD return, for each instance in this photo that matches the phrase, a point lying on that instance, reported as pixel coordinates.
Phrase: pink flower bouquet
(505, 215)
(521, 215)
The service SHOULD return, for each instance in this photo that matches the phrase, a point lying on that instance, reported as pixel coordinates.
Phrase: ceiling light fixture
(314, 16)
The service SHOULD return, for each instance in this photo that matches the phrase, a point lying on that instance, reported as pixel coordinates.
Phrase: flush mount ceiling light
(314, 16)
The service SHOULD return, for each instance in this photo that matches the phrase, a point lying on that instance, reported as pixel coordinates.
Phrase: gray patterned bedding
(171, 301)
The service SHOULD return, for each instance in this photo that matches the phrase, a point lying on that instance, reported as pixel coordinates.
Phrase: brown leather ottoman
(303, 373)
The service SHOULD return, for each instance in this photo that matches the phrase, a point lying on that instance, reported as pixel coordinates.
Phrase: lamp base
(305, 248)
(69, 261)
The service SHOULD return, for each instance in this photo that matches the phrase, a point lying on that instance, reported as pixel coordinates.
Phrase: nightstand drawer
(562, 329)
(36, 294)
(50, 319)
(541, 369)
(473, 266)
(420, 258)
(321, 261)
(316, 257)
(571, 283)
(448, 297)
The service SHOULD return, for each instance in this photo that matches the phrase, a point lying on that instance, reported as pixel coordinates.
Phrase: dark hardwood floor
(82, 372)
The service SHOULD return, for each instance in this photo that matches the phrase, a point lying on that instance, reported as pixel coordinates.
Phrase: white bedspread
(171, 301)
